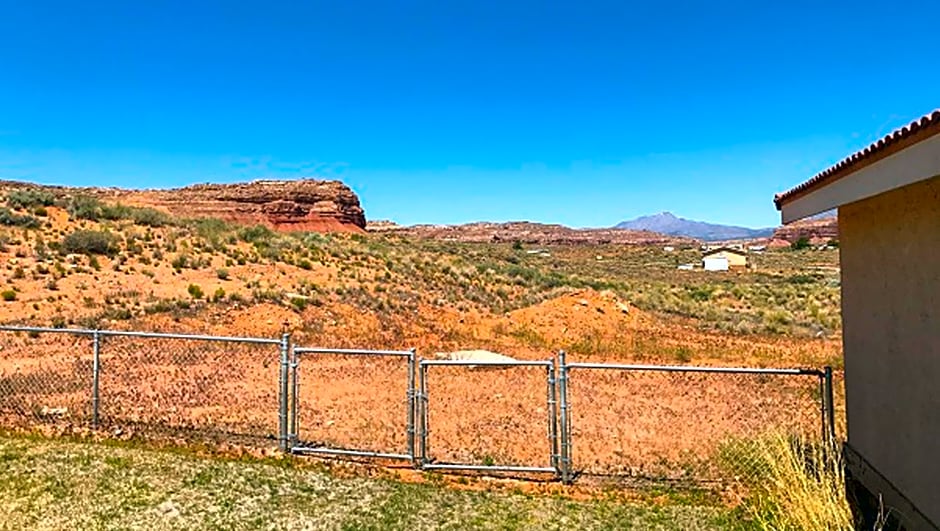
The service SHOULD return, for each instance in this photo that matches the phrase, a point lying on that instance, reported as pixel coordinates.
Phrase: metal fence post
(829, 417)
(553, 416)
(564, 419)
(95, 378)
(283, 392)
(410, 396)
(423, 410)
(293, 430)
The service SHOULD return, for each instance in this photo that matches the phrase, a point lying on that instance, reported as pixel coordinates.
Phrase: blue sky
(582, 113)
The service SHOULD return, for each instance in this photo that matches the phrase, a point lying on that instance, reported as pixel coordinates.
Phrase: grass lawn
(55, 484)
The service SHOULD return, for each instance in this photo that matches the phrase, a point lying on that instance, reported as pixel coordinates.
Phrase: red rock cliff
(301, 205)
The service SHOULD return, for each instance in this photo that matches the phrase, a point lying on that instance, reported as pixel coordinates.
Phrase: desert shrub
(84, 207)
(800, 244)
(40, 211)
(8, 295)
(256, 234)
(195, 291)
(303, 263)
(181, 261)
(90, 208)
(10, 219)
(30, 199)
(802, 279)
(299, 303)
(212, 230)
(222, 274)
(149, 217)
(218, 295)
(236, 297)
(90, 242)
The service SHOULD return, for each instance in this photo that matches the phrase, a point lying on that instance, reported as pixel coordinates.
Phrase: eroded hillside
(82, 261)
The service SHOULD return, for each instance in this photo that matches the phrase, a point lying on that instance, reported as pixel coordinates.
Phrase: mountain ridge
(670, 224)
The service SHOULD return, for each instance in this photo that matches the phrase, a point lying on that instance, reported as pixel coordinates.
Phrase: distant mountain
(667, 223)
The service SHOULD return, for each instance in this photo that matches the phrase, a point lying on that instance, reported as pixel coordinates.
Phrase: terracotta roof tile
(915, 132)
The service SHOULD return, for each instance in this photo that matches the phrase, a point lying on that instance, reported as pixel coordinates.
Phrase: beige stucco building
(723, 259)
(888, 198)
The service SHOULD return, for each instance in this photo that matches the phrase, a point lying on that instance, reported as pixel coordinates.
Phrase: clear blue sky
(583, 113)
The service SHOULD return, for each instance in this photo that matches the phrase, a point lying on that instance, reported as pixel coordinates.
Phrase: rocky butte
(286, 205)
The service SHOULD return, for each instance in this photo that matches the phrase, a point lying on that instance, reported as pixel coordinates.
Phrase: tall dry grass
(798, 485)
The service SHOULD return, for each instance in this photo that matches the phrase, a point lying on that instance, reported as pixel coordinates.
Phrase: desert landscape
(265, 259)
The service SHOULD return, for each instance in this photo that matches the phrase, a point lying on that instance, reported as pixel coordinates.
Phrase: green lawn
(55, 484)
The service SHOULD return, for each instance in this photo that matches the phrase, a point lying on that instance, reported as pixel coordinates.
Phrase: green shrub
(299, 303)
(195, 291)
(30, 198)
(800, 244)
(150, 217)
(218, 295)
(90, 208)
(256, 234)
(90, 242)
(222, 274)
(181, 261)
(802, 279)
(84, 207)
(10, 219)
(8, 295)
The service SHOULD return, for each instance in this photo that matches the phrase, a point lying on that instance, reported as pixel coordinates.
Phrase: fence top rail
(484, 363)
(692, 368)
(37, 329)
(352, 351)
(153, 335)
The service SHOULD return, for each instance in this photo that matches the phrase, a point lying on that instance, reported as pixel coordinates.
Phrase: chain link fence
(175, 387)
(683, 424)
(488, 416)
(190, 388)
(570, 420)
(46, 380)
(353, 403)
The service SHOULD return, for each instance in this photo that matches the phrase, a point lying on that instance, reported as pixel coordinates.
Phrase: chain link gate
(426, 460)
(298, 403)
(664, 427)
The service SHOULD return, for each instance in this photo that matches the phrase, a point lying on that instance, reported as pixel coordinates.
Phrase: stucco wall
(890, 247)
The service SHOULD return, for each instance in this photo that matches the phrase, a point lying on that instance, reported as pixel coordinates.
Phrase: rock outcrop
(287, 205)
(529, 233)
(817, 231)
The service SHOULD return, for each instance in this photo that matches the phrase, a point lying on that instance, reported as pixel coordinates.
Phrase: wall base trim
(896, 505)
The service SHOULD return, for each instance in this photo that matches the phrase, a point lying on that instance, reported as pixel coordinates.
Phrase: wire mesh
(684, 426)
(45, 379)
(190, 389)
(353, 402)
(487, 416)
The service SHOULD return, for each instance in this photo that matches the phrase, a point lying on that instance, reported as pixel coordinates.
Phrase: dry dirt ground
(651, 424)
(350, 293)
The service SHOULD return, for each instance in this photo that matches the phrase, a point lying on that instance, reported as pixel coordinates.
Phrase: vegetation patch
(69, 485)
(90, 242)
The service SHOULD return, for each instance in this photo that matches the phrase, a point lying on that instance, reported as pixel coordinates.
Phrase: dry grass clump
(795, 484)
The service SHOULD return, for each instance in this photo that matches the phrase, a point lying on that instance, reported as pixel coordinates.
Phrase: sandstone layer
(295, 205)
(529, 233)
(817, 231)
